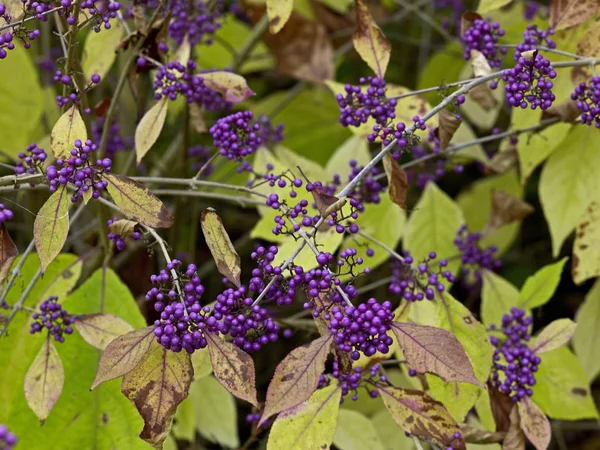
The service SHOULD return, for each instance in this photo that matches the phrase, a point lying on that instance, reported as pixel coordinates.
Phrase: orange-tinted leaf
(534, 424)
(233, 368)
(123, 354)
(217, 239)
(8, 252)
(506, 209)
(434, 350)
(297, 376)
(448, 126)
(233, 87)
(554, 335)
(156, 386)
(569, 13)
(397, 181)
(51, 226)
(370, 42)
(44, 380)
(99, 329)
(421, 416)
(137, 202)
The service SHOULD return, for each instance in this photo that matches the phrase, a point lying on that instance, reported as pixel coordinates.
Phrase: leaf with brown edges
(221, 248)
(297, 376)
(8, 252)
(325, 203)
(449, 123)
(566, 14)
(397, 181)
(233, 368)
(370, 42)
(534, 424)
(231, 86)
(156, 386)
(99, 329)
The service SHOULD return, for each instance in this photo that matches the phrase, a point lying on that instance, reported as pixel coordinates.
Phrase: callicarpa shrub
(299, 225)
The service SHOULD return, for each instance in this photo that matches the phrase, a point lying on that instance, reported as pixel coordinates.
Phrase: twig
(194, 182)
(253, 39)
(242, 201)
(205, 166)
(28, 19)
(391, 251)
(417, 443)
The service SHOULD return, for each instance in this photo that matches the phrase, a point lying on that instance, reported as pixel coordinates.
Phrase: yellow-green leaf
(586, 251)
(201, 363)
(540, 286)
(458, 398)
(100, 329)
(390, 433)
(219, 243)
(554, 335)
(354, 148)
(99, 50)
(51, 226)
(44, 380)
(156, 386)
(485, 6)
(137, 202)
(356, 432)
(149, 128)
(586, 339)
(231, 86)
(310, 425)
(370, 42)
(279, 12)
(70, 126)
(497, 297)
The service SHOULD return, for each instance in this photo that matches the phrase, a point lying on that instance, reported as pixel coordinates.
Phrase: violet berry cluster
(80, 170)
(514, 358)
(115, 142)
(529, 84)
(473, 257)
(118, 239)
(5, 213)
(74, 96)
(358, 377)
(483, 35)
(199, 156)
(7, 439)
(31, 161)
(283, 291)
(368, 190)
(20, 31)
(421, 281)
(236, 136)
(198, 19)
(100, 12)
(534, 37)
(54, 318)
(269, 134)
(587, 100)
(456, 8)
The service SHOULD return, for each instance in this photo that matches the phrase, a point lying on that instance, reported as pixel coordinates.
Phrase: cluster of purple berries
(198, 19)
(531, 9)
(350, 382)
(420, 282)
(53, 318)
(79, 170)
(31, 161)
(528, 83)
(587, 100)
(5, 214)
(75, 95)
(116, 142)
(101, 12)
(483, 36)
(361, 329)
(369, 188)
(456, 6)
(473, 257)
(514, 357)
(282, 291)
(269, 135)
(534, 37)
(236, 136)
(118, 239)
(200, 155)
(7, 439)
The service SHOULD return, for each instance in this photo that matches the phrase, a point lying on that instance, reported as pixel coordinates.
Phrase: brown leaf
(233, 368)
(534, 424)
(501, 406)
(421, 416)
(370, 42)
(569, 13)
(125, 227)
(567, 111)
(506, 209)
(231, 86)
(8, 252)
(156, 386)
(467, 20)
(217, 239)
(480, 436)
(434, 350)
(99, 329)
(297, 376)
(483, 96)
(480, 64)
(397, 181)
(448, 126)
(197, 118)
(123, 354)
(325, 203)
(514, 440)
(504, 160)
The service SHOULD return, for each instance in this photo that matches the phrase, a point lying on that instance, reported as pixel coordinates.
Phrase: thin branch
(253, 39)
(391, 251)
(242, 201)
(28, 19)
(194, 182)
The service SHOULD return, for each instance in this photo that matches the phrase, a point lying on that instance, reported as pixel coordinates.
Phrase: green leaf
(51, 226)
(340, 6)
(458, 398)
(100, 329)
(149, 128)
(586, 252)
(562, 389)
(390, 433)
(540, 287)
(486, 6)
(201, 363)
(444, 66)
(354, 148)
(99, 419)
(22, 101)
(433, 225)
(68, 128)
(497, 297)
(476, 204)
(215, 412)
(279, 12)
(586, 340)
(356, 432)
(569, 182)
(99, 50)
(311, 424)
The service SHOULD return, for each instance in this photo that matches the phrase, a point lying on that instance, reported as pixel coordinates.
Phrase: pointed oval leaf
(586, 251)
(123, 354)
(231, 86)
(534, 424)
(44, 380)
(51, 226)
(397, 181)
(586, 340)
(137, 202)
(540, 287)
(233, 368)
(68, 128)
(449, 123)
(355, 431)
(279, 11)
(310, 425)
(434, 350)
(370, 42)
(157, 385)
(8, 252)
(297, 376)
(223, 251)
(149, 128)
(100, 329)
(554, 335)
(99, 50)
(421, 416)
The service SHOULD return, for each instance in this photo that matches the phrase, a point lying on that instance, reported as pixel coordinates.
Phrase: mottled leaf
(534, 424)
(51, 226)
(434, 350)
(149, 128)
(100, 329)
(370, 42)
(44, 380)
(233, 368)
(217, 239)
(540, 287)
(99, 50)
(421, 416)
(397, 181)
(506, 209)
(586, 339)
(156, 386)
(279, 12)
(68, 128)
(233, 87)
(569, 13)
(355, 431)
(325, 203)
(554, 335)
(137, 202)
(586, 248)
(449, 123)
(297, 376)
(123, 354)
(310, 425)
(588, 45)
(474, 435)
(8, 252)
